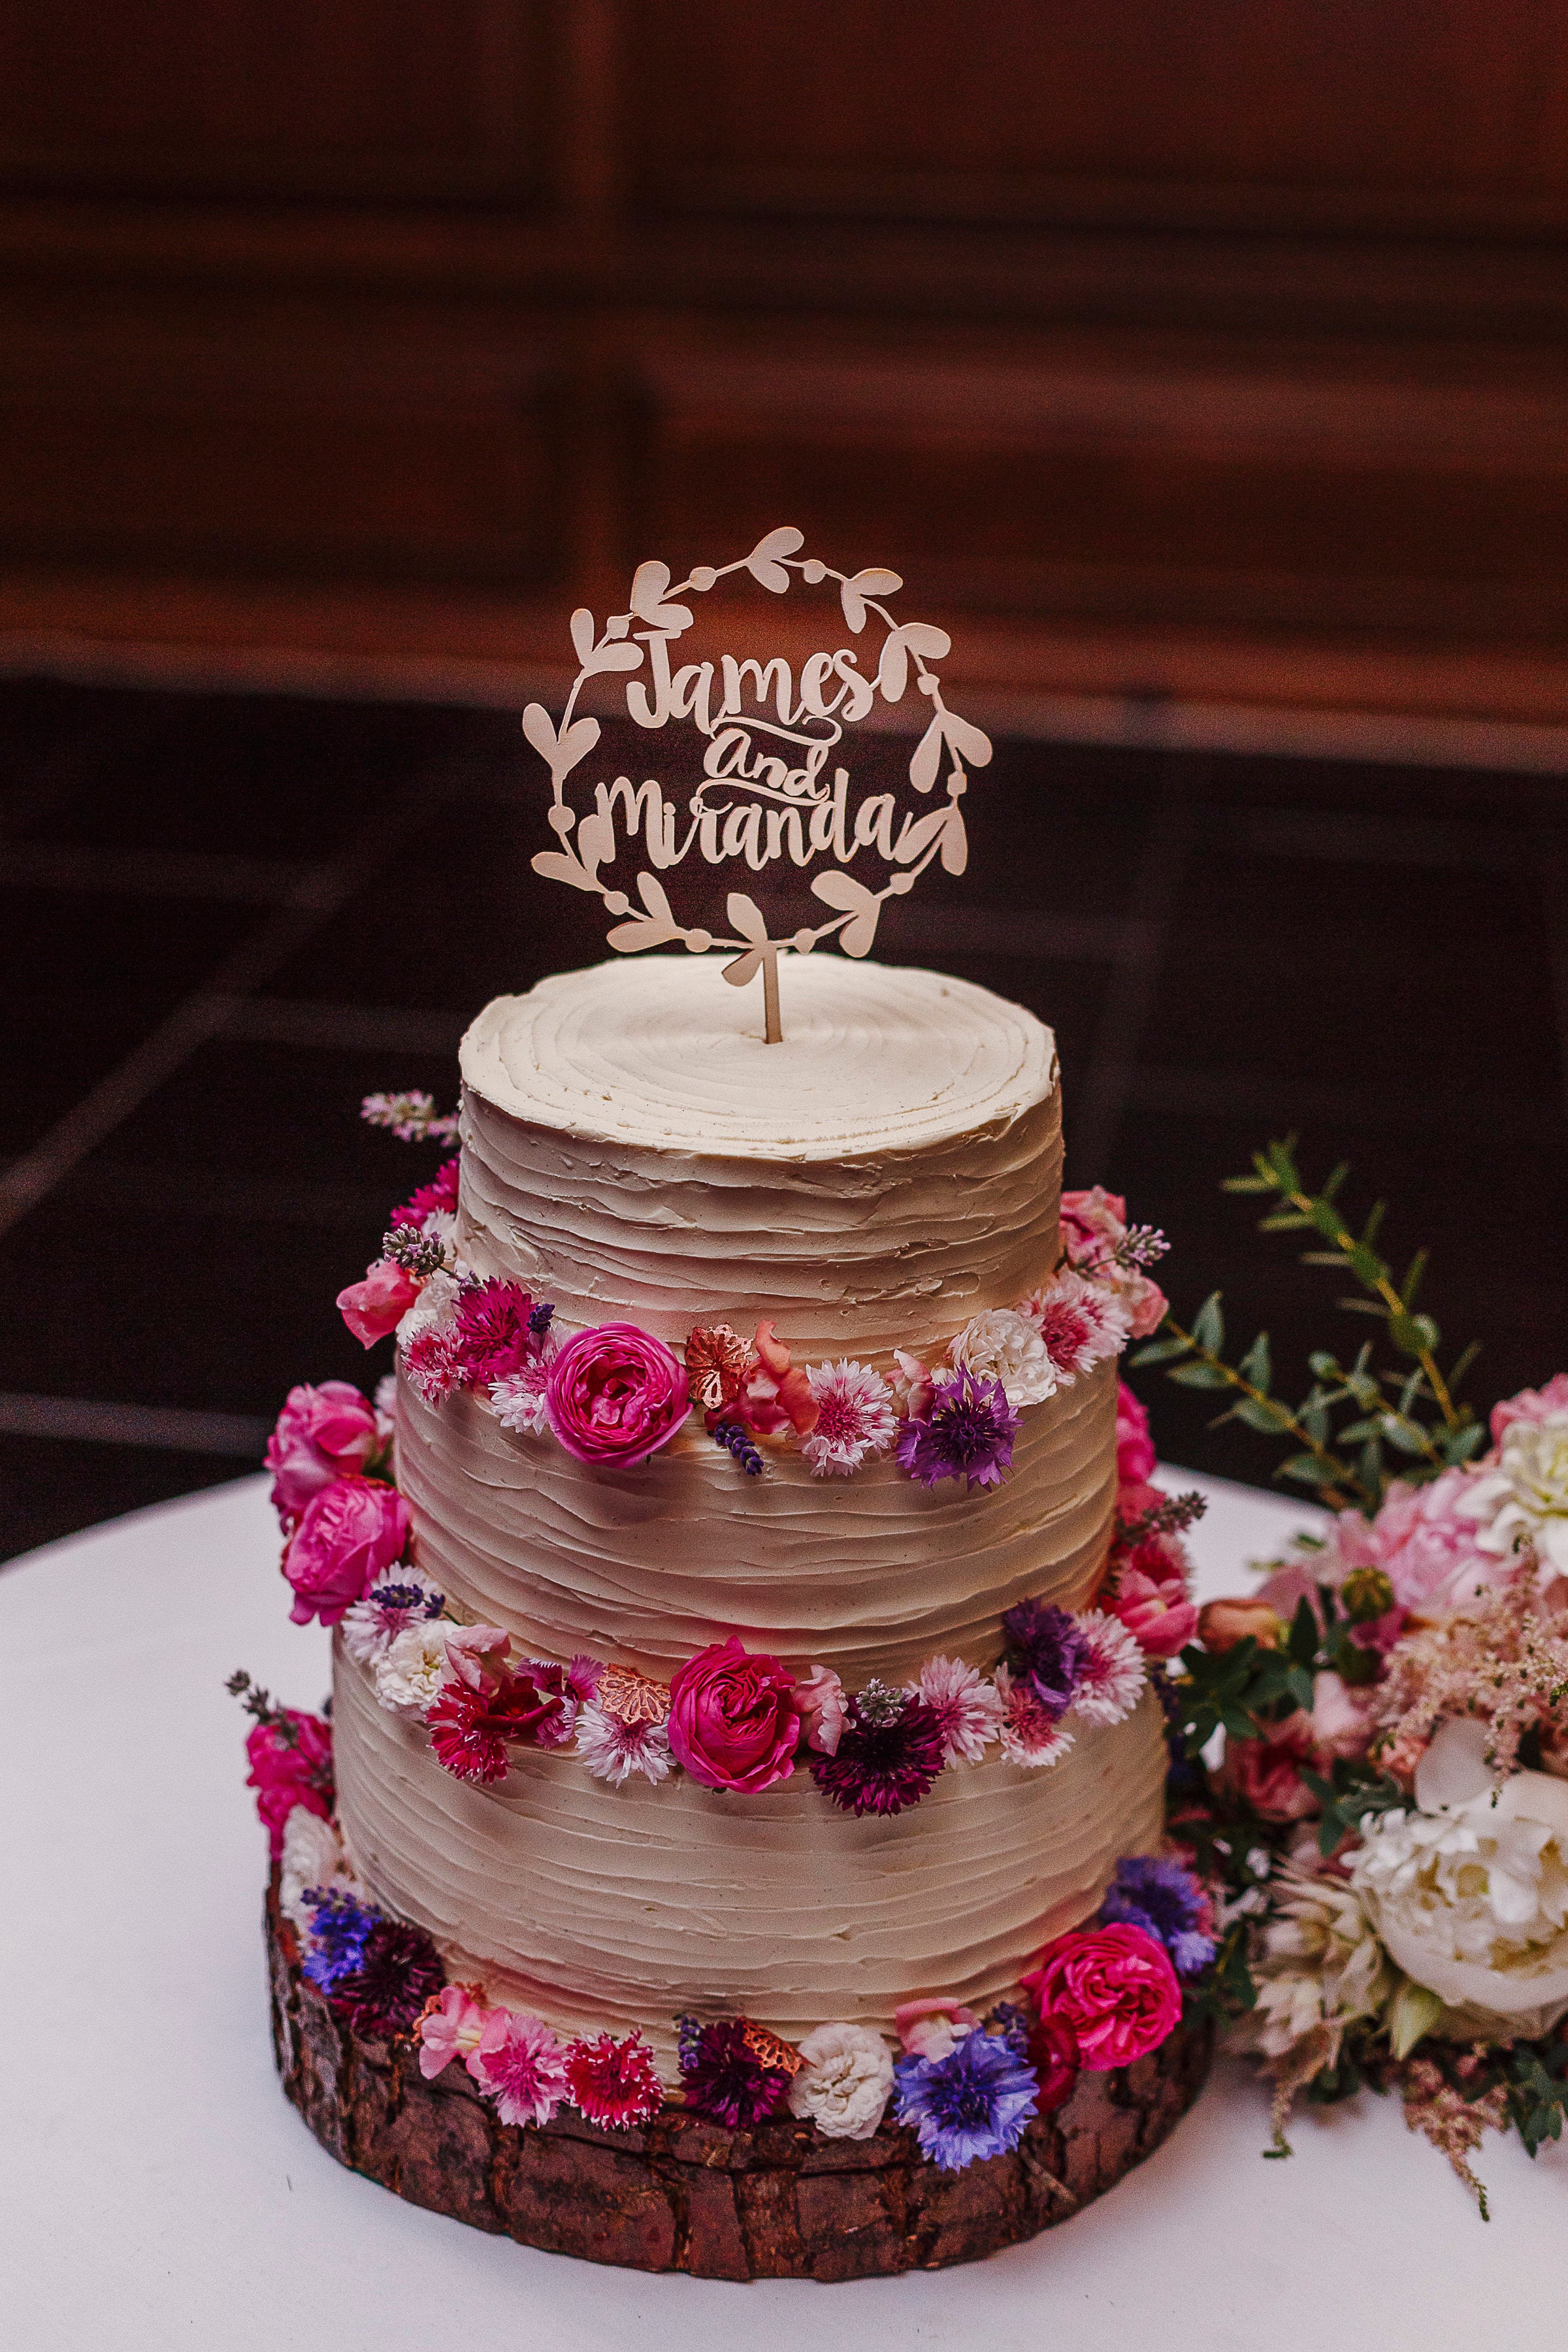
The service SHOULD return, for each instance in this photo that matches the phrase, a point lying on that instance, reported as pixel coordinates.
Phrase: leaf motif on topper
(774, 785)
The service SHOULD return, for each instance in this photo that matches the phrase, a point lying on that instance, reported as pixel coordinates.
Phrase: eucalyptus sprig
(1353, 1414)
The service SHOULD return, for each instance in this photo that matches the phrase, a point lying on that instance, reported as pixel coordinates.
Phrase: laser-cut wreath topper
(764, 793)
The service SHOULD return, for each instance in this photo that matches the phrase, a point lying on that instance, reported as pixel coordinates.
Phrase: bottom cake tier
(684, 2194)
(600, 1908)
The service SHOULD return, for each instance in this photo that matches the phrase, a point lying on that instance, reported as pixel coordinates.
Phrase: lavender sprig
(417, 1251)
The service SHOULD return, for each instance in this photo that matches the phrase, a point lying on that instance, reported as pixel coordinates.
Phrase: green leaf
(1302, 1644)
(1283, 1220)
(1462, 1366)
(1374, 1219)
(1256, 1365)
(1261, 1413)
(1298, 1682)
(1363, 1307)
(1333, 1181)
(1309, 1470)
(1325, 1366)
(1326, 1217)
(1248, 1184)
(1200, 1376)
(1464, 1444)
(1366, 1266)
(1209, 1325)
(1412, 1282)
(1314, 1419)
(1161, 1352)
(1405, 1436)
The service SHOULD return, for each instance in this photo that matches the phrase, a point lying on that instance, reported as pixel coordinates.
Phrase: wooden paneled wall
(1177, 346)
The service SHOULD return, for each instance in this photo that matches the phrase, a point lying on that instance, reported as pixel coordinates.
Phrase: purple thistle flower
(1169, 1903)
(724, 2078)
(885, 1760)
(974, 2103)
(1046, 1648)
(967, 1433)
(339, 1928)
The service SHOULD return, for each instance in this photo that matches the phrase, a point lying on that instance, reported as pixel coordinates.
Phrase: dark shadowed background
(1200, 366)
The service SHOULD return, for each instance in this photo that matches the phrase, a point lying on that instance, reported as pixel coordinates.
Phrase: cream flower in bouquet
(1469, 1889)
(1321, 1968)
(1521, 1498)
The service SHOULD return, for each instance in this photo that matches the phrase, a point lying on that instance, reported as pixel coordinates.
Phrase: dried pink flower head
(967, 1706)
(855, 1417)
(1080, 1323)
(1111, 1671)
(1030, 1734)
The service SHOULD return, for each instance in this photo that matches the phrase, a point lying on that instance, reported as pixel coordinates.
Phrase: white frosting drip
(602, 1907)
(630, 1150)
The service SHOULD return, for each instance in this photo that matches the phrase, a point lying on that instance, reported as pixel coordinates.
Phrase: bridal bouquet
(1371, 1749)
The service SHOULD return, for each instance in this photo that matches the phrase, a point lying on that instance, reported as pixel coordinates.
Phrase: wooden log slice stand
(683, 2194)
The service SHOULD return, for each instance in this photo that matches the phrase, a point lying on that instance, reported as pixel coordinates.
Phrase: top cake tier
(632, 1146)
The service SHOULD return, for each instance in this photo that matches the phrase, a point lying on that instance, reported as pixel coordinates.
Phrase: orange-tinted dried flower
(631, 1697)
(716, 1359)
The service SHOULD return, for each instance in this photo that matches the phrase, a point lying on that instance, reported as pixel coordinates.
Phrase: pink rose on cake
(374, 1307)
(733, 1719)
(1148, 1593)
(615, 1394)
(286, 1773)
(322, 1433)
(348, 1535)
(1114, 1988)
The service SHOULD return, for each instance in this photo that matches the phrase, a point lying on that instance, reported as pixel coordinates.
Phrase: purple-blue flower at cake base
(967, 1432)
(1169, 1903)
(339, 1928)
(1044, 1648)
(973, 2104)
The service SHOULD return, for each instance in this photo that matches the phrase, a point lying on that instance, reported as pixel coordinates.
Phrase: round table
(157, 2190)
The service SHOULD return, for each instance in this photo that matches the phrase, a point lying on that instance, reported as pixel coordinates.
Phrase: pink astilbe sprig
(1079, 1321)
(1503, 1658)
(615, 2084)
(855, 1418)
(967, 1705)
(521, 2066)
(1111, 1671)
(412, 1116)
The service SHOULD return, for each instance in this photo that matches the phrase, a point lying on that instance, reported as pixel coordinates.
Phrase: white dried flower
(411, 1670)
(1112, 1673)
(845, 2081)
(1002, 1344)
(967, 1706)
(312, 1856)
(614, 1750)
(1321, 1968)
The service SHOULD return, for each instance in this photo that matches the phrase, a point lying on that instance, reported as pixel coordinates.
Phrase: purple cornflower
(339, 1928)
(889, 1754)
(1168, 1902)
(1044, 1648)
(967, 1432)
(973, 2104)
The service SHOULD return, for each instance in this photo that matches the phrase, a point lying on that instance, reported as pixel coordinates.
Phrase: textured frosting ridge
(631, 1151)
(597, 1907)
(891, 1168)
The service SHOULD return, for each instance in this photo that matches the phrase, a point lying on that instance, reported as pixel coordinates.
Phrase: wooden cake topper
(771, 787)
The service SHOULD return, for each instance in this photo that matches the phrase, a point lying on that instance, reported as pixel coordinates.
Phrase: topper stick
(771, 996)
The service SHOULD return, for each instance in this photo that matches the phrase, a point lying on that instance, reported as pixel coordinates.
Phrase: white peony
(1472, 1901)
(312, 1856)
(845, 2082)
(1524, 1498)
(1002, 1344)
(410, 1672)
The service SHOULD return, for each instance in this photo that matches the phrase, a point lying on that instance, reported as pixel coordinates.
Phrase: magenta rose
(288, 1773)
(733, 1722)
(321, 1435)
(615, 1394)
(377, 1305)
(1114, 1990)
(349, 1534)
(1134, 1446)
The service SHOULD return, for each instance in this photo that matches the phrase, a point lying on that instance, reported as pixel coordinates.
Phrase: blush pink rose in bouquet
(1114, 1988)
(734, 1721)
(615, 1394)
(1423, 1545)
(375, 1306)
(1265, 1775)
(348, 1535)
(288, 1773)
(322, 1433)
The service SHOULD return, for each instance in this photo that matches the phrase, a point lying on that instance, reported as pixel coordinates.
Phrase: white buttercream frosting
(632, 1150)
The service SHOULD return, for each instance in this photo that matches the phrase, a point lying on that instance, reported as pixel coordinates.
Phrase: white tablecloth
(157, 2190)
